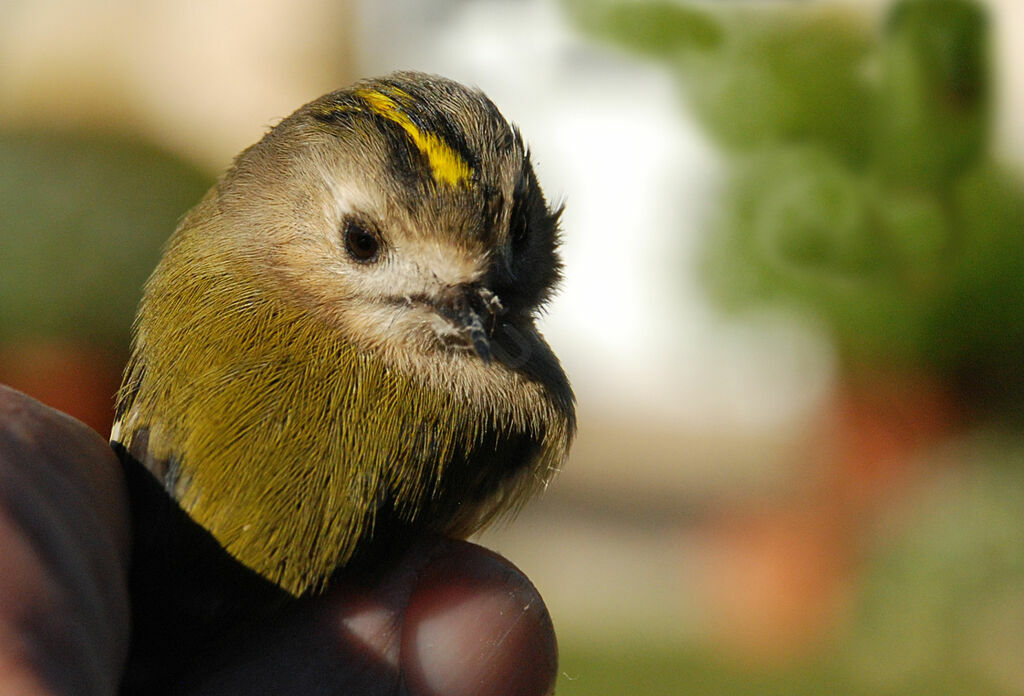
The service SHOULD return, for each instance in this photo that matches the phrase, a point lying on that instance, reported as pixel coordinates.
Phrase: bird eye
(361, 244)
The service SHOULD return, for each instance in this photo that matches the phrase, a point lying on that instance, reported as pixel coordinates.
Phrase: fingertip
(64, 524)
(476, 625)
(64, 448)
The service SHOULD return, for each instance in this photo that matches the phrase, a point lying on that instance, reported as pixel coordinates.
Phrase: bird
(339, 344)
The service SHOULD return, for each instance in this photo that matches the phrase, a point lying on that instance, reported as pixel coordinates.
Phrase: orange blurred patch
(76, 378)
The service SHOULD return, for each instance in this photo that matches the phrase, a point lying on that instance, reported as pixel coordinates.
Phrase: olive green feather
(291, 441)
(286, 436)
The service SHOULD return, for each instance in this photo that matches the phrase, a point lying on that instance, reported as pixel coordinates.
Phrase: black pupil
(361, 244)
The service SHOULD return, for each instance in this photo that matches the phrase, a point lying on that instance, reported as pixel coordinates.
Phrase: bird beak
(473, 310)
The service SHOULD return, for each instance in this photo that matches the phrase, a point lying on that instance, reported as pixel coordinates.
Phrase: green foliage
(655, 669)
(982, 314)
(933, 97)
(657, 29)
(82, 219)
(944, 596)
(800, 227)
(751, 75)
(862, 189)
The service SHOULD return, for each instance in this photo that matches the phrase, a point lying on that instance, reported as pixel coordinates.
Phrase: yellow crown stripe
(445, 163)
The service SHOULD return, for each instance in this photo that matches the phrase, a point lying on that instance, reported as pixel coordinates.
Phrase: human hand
(448, 618)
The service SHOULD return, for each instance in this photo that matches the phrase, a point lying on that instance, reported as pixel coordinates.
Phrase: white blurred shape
(608, 134)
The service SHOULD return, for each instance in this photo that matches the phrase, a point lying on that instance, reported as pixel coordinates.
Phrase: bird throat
(293, 447)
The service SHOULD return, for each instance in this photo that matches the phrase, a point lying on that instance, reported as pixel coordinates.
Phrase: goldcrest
(339, 346)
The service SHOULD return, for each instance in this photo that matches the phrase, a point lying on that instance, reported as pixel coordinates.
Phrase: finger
(343, 642)
(450, 618)
(63, 554)
(476, 625)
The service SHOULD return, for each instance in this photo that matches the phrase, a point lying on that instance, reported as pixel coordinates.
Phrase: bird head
(405, 212)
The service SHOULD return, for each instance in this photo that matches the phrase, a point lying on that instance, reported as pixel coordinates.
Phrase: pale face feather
(293, 397)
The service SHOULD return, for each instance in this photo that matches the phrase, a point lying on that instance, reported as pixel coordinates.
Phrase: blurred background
(793, 310)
